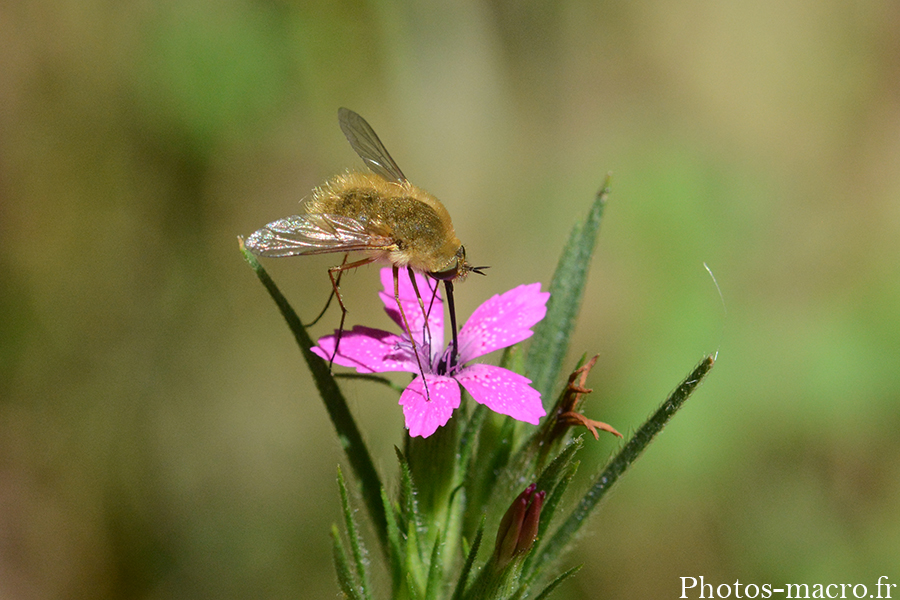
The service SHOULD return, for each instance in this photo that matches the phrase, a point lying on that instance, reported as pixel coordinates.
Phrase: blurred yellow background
(159, 437)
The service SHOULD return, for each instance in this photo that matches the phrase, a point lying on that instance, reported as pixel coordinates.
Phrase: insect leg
(339, 269)
(434, 294)
(406, 322)
(330, 296)
(426, 333)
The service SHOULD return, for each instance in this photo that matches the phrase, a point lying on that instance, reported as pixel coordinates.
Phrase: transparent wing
(314, 234)
(365, 143)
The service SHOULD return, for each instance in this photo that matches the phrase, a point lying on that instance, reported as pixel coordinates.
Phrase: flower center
(446, 365)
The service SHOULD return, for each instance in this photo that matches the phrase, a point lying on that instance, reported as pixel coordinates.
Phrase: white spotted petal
(502, 321)
(503, 392)
(425, 414)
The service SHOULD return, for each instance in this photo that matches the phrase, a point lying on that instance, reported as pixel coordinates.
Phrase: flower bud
(519, 526)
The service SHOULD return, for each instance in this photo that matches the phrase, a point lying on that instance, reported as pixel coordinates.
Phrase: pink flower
(500, 322)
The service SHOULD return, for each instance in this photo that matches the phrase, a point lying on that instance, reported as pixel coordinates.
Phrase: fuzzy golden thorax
(418, 225)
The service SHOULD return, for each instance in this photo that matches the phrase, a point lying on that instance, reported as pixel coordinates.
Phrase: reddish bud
(519, 526)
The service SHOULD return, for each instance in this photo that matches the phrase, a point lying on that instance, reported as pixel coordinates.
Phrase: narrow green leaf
(551, 336)
(554, 497)
(533, 566)
(396, 556)
(490, 456)
(545, 593)
(435, 570)
(356, 545)
(415, 565)
(554, 480)
(467, 567)
(347, 431)
(412, 589)
(557, 468)
(513, 358)
(505, 449)
(452, 528)
(468, 440)
(620, 463)
(342, 566)
(409, 506)
(414, 552)
(471, 469)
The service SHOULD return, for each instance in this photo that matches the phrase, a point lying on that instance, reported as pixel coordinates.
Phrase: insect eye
(448, 274)
(454, 270)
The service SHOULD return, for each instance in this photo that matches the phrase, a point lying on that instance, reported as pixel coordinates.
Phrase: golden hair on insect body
(414, 226)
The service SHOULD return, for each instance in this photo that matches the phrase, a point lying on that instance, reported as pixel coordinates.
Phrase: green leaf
(414, 551)
(433, 464)
(335, 403)
(396, 555)
(356, 545)
(555, 495)
(469, 437)
(413, 590)
(551, 336)
(487, 477)
(620, 463)
(409, 505)
(415, 565)
(551, 475)
(435, 570)
(342, 566)
(467, 567)
(554, 480)
(545, 593)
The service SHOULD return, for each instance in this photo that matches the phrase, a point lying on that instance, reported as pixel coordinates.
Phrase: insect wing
(314, 234)
(367, 145)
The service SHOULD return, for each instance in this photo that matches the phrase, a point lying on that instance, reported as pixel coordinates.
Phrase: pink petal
(434, 308)
(369, 351)
(503, 392)
(502, 321)
(425, 414)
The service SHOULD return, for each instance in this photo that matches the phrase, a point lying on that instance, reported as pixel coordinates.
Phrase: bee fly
(380, 215)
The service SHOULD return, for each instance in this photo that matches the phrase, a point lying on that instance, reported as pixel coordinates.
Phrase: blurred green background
(158, 434)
